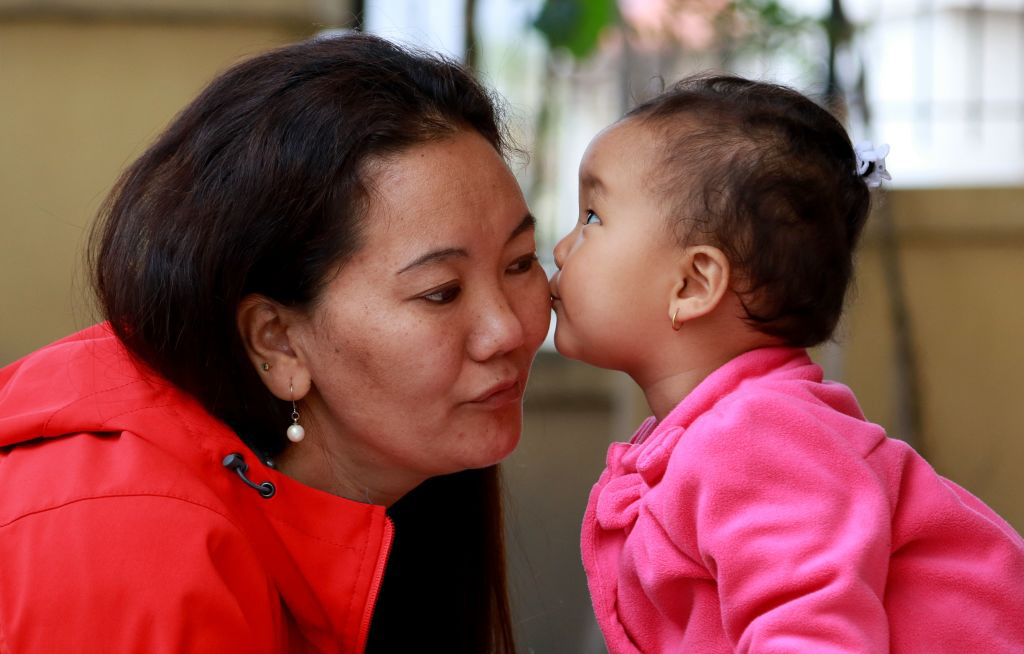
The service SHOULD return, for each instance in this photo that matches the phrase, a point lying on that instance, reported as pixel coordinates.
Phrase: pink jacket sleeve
(792, 524)
(132, 574)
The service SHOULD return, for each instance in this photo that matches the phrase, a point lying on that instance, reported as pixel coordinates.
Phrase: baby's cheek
(582, 336)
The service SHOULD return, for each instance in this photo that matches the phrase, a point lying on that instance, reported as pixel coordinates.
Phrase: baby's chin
(564, 343)
(570, 347)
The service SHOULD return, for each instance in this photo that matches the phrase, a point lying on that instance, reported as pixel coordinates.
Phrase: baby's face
(616, 267)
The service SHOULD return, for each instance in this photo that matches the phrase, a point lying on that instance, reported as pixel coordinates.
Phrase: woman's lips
(499, 395)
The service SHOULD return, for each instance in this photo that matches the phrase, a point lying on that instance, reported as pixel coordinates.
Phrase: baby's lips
(553, 286)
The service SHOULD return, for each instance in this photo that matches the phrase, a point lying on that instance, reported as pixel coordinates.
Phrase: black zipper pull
(234, 461)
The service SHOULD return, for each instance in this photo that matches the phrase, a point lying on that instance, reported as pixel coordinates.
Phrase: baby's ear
(704, 278)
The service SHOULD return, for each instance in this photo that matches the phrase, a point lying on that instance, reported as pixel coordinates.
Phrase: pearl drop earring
(295, 431)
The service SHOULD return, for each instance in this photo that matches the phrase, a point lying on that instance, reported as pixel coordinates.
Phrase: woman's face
(419, 348)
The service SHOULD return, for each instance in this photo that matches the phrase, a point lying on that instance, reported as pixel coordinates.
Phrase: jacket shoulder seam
(109, 496)
(76, 400)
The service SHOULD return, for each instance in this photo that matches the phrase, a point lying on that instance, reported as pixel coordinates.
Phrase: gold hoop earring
(676, 325)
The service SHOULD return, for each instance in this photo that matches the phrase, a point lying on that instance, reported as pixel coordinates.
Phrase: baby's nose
(562, 249)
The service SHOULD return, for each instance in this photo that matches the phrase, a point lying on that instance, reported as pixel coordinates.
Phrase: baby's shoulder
(760, 410)
(772, 420)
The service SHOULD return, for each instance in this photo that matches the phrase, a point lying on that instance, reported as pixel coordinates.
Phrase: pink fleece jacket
(765, 514)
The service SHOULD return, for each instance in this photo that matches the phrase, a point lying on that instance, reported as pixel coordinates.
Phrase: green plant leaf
(575, 25)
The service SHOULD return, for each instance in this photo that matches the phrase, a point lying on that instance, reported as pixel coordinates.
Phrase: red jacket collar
(325, 554)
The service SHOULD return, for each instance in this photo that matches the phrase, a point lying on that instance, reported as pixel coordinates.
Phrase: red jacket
(122, 530)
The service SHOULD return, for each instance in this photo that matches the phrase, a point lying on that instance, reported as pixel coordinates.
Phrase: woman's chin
(507, 447)
(494, 443)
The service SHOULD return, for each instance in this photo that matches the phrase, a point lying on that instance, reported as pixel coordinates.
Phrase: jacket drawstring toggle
(236, 462)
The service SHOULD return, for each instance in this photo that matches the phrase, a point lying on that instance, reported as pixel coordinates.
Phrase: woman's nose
(497, 330)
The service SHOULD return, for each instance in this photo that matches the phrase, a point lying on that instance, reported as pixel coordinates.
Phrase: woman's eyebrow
(434, 256)
(528, 223)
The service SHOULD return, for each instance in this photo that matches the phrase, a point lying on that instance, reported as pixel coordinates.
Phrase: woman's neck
(322, 462)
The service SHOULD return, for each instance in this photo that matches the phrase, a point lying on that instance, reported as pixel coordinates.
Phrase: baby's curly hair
(769, 177)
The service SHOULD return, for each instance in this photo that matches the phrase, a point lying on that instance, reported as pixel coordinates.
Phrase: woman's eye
(591, 218)
(522, 265)
(443, 295)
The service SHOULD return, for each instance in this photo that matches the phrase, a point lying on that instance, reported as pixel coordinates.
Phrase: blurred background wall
(84, 87)
(932, 339)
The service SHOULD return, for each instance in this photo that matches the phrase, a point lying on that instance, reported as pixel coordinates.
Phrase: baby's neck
(664, 392)
(684, 366)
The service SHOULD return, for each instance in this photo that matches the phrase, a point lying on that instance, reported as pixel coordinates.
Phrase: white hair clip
(868, 154)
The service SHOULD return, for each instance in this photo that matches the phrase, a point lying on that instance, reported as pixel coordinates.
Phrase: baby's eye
(443, 295)
(591, 218)
(522, 264)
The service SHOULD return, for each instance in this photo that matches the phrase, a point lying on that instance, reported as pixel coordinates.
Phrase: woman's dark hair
(772, 184)
(260, 186)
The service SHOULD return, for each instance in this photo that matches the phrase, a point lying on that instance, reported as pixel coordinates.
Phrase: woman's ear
(704, 277)
(264, 325)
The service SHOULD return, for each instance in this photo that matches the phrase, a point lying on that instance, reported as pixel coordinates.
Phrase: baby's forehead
(641, 153)
(625, 145)
(626, 134)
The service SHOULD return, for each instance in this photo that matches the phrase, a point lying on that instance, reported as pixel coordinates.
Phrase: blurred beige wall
(961, 255)
(85, 86)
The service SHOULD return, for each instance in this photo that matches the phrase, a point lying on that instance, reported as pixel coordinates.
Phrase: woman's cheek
(539, 310)
(432, 356)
